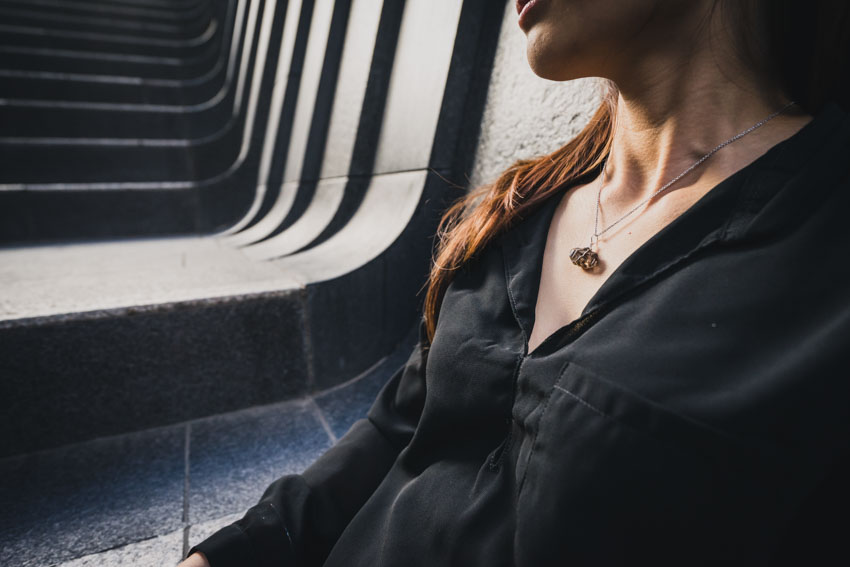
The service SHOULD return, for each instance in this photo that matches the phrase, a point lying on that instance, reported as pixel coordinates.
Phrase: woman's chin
(550, 68)
(547, 59)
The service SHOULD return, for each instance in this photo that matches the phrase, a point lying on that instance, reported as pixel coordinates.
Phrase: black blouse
(695, 413)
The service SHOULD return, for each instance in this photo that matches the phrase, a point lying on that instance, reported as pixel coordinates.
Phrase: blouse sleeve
(299, 517)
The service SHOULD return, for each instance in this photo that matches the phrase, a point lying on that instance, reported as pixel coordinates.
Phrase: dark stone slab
(49, 18)
(151, 67)
(52, 119)
(357, 318)
(346, 403)
(80, 499)
(70, 215)
(234, 457)
(109, 372)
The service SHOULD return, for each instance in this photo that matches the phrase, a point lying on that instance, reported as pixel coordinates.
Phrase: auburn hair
(803, 49)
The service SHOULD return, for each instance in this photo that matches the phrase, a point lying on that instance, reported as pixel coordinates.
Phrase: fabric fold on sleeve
(255, 539)
(228, 546)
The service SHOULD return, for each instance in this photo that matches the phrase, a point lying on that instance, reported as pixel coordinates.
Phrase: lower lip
(525, 15)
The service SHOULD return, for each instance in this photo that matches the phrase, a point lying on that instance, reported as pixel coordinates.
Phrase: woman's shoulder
(801, 182)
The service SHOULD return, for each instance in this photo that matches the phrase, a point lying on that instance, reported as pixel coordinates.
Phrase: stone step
(17, 15)
(122, 87)
(36, 161)
(144, 498)
(32, 160)
(111, 42)
(162, 4)
(28, 113)
(82, 61)
(113, 10)
(108, 338)
(53, 119)
(81, 87)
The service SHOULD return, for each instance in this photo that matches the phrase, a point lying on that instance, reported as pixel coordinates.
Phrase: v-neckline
(705, 222)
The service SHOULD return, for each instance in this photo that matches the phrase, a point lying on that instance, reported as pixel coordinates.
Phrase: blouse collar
(732, 210)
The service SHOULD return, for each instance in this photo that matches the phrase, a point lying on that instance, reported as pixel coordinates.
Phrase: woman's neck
(673, 109)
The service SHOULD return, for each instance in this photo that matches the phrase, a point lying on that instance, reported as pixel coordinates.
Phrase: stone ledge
(144, 498)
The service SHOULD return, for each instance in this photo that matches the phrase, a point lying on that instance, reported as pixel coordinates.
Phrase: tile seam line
(320, 415)
(186, 454)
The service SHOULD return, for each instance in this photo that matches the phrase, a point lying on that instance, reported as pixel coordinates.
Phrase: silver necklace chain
(596, 234)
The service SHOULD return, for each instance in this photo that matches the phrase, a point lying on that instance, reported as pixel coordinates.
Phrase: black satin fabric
(695, 414)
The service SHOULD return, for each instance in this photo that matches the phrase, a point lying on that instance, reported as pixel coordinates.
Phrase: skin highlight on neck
(675, 103)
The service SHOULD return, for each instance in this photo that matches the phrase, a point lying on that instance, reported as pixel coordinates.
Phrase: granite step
(144, 498)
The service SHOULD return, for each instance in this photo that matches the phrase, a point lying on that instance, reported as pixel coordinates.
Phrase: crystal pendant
(584, 257)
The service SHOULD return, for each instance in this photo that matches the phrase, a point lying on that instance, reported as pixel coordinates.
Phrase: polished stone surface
(234, 457)
(346, 403)
(84, 498)
(161, 551)
(201, 531)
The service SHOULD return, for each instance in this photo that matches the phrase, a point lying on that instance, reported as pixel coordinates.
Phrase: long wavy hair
(800, 48)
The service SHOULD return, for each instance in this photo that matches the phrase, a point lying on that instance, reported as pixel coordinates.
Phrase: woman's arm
(301, 516)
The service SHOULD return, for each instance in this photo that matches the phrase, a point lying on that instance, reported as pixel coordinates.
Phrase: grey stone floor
(144, 498)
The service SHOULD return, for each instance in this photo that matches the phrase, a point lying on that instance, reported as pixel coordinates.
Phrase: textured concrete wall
(525, 115)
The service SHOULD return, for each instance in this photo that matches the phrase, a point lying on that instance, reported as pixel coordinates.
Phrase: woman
(633, 349)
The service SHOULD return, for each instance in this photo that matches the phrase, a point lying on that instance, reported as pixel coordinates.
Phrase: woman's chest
(652, 421)
(565, 288)
(703, 342)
